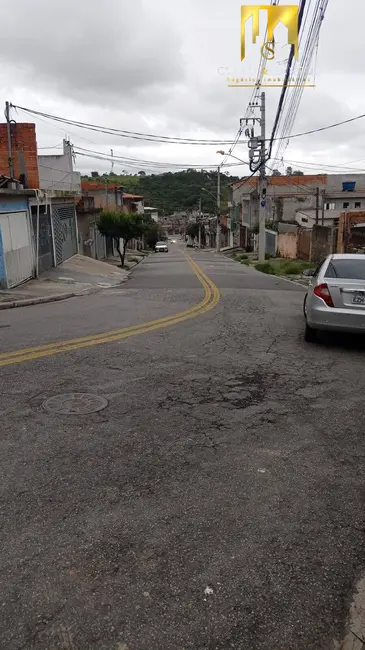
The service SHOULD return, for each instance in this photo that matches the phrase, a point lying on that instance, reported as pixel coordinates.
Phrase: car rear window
(346, 269)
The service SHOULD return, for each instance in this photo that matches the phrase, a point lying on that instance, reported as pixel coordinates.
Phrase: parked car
(161, 247)
(335, 300)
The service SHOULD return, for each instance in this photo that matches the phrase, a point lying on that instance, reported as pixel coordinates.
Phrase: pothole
(75, 404)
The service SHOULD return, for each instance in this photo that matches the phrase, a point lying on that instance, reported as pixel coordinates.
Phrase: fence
(309, 245)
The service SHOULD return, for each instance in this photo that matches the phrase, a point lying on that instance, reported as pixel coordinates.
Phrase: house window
(357, 204)
(330, 206)
(346, 204)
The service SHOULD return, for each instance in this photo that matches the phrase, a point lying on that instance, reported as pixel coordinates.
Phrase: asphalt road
(217, 502)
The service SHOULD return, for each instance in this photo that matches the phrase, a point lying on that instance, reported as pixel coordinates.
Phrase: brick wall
(24, 153)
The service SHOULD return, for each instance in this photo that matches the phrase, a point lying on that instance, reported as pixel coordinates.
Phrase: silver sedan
(335, 300)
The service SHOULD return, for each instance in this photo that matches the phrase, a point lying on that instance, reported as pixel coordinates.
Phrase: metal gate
(304, 243)
(64, 225)
(271, 242)
(98, 247)
(17, 247)
(45, 244)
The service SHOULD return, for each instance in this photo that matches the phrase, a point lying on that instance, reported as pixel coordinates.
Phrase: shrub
(291, 268)
(265, 267)
(268, 256)
(245, 262)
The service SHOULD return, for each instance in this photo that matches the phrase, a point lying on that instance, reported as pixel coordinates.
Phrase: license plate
(359, 299)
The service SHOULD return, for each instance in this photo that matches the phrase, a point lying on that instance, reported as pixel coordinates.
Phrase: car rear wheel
(310, 335)
(305, 305)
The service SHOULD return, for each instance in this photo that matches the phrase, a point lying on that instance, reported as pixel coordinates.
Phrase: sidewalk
(77, 276)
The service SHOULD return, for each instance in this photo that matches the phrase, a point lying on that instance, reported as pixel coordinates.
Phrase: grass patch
(287, 267)
(238, 257)
(266, 267)
(245, 262)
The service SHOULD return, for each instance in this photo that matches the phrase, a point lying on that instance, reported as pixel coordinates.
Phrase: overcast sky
(160, 67)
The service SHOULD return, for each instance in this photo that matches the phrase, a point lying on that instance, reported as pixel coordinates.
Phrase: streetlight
(224, 153)
(205, 190)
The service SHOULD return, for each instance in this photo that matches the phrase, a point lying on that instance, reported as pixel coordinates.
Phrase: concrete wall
(287, 245)
(56, 172)
(321, 243)
(24, 153)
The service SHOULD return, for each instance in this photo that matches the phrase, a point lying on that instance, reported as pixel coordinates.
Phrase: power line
(193, 142)
(285, 84)
(311, 44)
(138, 164)
(123, 133)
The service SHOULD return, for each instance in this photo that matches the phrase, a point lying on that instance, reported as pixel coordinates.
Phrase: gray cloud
(154, 67)
(90, 53)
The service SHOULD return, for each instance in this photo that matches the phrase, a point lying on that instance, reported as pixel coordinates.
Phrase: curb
(28, 302)
(36, 301)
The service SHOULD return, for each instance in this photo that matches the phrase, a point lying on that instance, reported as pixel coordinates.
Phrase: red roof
(306, 179)
(136, 197)
(94, 185)
(90, 186)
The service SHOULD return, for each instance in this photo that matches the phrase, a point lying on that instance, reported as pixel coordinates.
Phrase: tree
(289, 171)
(141, 173)
(297, 172)
(94, 174)
(193, 230)
(275, 172)
(153, 234)
(121, 225)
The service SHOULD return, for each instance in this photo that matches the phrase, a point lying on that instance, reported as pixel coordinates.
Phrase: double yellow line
(210, 300)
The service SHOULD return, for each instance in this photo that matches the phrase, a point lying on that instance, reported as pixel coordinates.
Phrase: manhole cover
(75, 403)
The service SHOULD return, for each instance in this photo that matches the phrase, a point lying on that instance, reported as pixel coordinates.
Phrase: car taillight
(322, 291)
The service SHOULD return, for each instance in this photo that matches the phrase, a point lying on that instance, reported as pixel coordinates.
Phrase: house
(38, 211)
(295, 198)
(95, 197)
(17, 252)
(307, 218)
(152, 212)
(53, 209)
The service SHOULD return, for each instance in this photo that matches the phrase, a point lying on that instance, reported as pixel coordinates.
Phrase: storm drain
(75, 404)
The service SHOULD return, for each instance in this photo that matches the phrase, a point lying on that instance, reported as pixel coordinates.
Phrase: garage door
(17, 246)
(64, 225)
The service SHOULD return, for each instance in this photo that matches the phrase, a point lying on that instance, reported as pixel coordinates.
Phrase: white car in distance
(161, 247)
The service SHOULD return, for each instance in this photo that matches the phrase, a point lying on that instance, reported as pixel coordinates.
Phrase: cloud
(156, 67)
(91, 53)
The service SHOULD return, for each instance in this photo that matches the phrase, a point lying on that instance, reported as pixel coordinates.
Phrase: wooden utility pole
(317, 206)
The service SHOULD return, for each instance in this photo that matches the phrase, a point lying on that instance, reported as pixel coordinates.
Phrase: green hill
(174, 191)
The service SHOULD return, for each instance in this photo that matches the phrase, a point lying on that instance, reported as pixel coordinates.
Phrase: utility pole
(323, 202)
(10, 155)
(200, 218)
(262, 182)
(106, 193)
(317, 206)
(218, 242)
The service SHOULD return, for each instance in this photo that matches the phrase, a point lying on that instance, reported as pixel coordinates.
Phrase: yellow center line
(210, 300)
